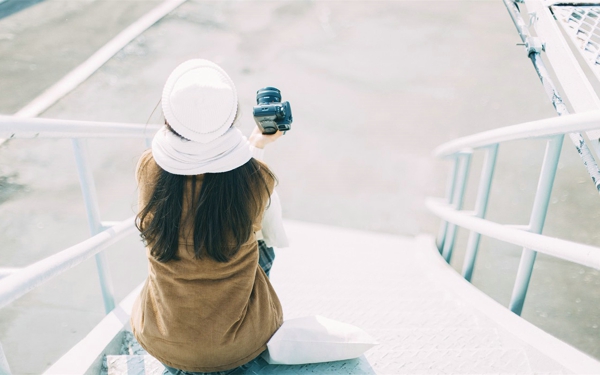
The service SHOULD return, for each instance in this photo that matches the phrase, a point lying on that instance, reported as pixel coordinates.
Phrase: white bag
(315, 339)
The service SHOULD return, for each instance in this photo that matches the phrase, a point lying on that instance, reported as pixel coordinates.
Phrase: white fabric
(315, 339)
(180, 156)
(258, 153)
(273, 232)
(199, 100)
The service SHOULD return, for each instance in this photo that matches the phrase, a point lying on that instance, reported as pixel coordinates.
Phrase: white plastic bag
(315, 339)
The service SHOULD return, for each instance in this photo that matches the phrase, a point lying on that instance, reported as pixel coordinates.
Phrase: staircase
(427, 319)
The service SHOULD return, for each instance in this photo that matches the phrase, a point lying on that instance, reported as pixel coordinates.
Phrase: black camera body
(270, 114)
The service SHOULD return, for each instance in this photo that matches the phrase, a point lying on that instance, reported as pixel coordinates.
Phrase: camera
(270, 114)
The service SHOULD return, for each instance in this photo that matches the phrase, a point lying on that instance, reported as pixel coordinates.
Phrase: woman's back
(198, 314)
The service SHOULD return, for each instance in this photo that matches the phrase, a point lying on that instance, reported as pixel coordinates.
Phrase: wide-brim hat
(199, 100)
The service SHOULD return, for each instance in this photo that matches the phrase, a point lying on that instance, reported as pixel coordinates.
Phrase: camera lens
(268, 95)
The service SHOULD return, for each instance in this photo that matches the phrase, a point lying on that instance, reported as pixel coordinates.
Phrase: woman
(207, 305)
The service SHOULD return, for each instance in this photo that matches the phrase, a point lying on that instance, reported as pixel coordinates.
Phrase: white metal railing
(22, 281)
(530, 237)
(17, 127)
(535, 129)
(18, 282)
(585, 255)
(23, 125)
(14, 283)
(583, 100)
(554, 129)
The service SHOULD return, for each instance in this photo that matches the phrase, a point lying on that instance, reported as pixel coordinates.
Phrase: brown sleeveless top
(198, 314)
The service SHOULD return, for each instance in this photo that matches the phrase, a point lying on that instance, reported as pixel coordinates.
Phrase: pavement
(374, 86)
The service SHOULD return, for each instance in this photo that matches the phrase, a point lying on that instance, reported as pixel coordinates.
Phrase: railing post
(449, 194)
(464, 162)
(88, 188)
(483, 194)
(536, 221)
(4, 368)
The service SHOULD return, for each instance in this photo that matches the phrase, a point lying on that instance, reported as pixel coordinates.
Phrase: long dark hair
(222, 214)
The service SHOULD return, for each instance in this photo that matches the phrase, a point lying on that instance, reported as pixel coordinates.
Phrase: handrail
(533, 129)
(554, 129)
(27, 278)
(17, 127)
(584, 255)
(21, 281)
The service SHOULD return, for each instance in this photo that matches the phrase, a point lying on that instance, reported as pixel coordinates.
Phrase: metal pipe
(21, 282)
(561, 109)
(88, 188)
(457, 201)
(534, 46)
(544, 128)
(534, 55)
(449, 195)
(15, 127)
(585, 255)
(483, 194)
(515, 15)
(90, 198)
(536, 221)
(586, 156)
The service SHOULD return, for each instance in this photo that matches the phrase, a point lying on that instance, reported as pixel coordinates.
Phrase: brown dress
(198, 314)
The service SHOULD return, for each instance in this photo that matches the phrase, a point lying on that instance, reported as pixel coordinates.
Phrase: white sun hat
(199, 100)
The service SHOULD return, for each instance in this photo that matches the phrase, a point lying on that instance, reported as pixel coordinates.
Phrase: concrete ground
(374, 86)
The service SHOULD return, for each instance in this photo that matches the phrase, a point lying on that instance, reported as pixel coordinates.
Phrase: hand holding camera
(260, 140)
